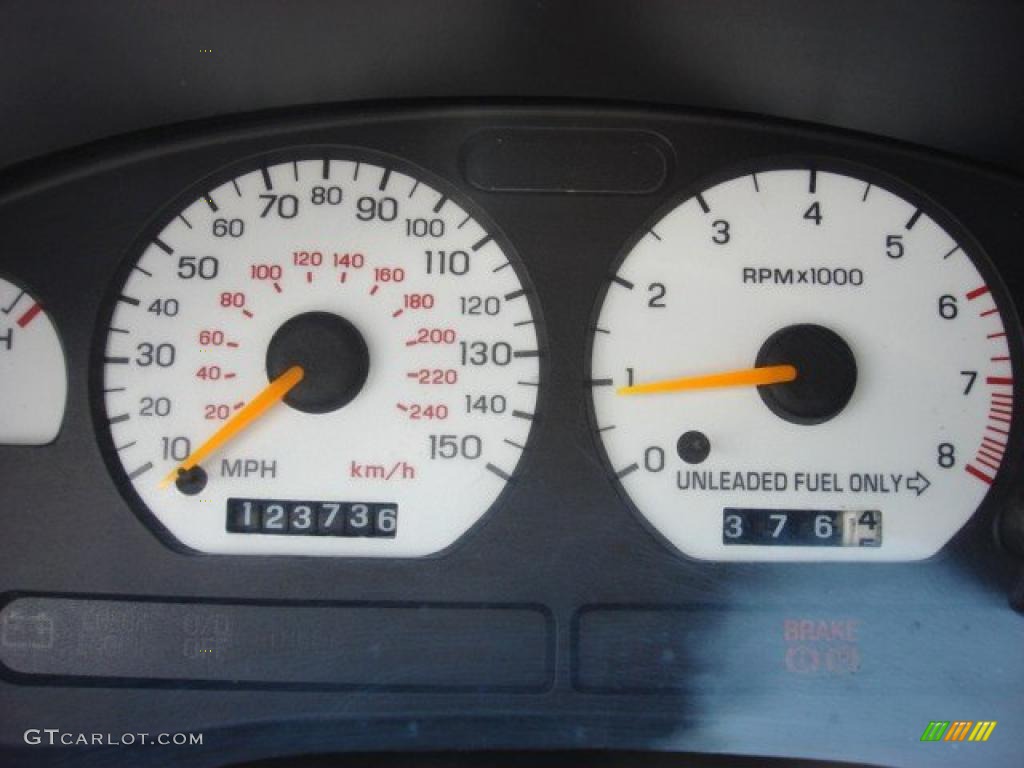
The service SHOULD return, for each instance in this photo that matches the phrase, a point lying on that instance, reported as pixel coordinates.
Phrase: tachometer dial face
(323, 356)
(801, 365)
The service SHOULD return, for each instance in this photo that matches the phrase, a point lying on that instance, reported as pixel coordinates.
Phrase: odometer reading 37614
(801, 365)
(320, 356)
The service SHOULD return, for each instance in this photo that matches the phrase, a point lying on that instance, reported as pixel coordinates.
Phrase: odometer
(323, 355)
(802, 365)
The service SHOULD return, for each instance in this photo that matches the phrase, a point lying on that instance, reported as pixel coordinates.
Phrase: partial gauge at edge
(320, 352)
(33, 372)
(799, 364)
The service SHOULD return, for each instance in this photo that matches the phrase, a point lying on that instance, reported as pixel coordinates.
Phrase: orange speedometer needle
(748, 377)
(254, 409)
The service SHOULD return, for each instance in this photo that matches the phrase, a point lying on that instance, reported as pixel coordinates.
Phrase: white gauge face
(321, 357)
(799, 365)
(33, 374)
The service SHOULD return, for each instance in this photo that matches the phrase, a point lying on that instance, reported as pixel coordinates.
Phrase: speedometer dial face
(322, 356)
(801, 365)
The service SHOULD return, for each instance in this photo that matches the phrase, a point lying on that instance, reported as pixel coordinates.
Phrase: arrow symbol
(918, 483)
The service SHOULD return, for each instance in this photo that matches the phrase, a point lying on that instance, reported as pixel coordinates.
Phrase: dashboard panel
(279, 555)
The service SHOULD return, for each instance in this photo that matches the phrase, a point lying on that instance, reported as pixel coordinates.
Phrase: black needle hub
(826, 373)
(333, 355)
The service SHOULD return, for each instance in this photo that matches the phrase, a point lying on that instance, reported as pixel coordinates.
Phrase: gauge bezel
(223, 174)
(1003, 486)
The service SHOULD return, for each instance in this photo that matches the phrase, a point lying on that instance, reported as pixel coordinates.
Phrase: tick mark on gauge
(309, 277)
(129, 300)
(355, 171)
(703, 203)
(238, 189)
(998, 335)
(186, 222)
(526, 353)
(126, 446)
(606, 429)
(523, 415)
(266, 178)
(384, 179)
(757, 187)
(137, 268)
(232, 344)
(295, 169)
(528, 383)
(120, 418)
(499, 472)
(627, 470)
(247, 313)
(521, 323)
(117, 360)
(374, 289)
(415, 186)
(401, 407)
(501, 267)
(397, 312)
(440, 204)
(599, 382)
(141, 470)
(622, 281)
(654, 234)
(514, 294)
(988, 312)
(30, 314)
(163, 246)
(239, 405)
(464, 221)
(277, 287)
(812, 182)
(867, 191)
(481, 243)
(112, 329)
(514, 444)
(208, 198)
(325, 171)
(950, 253)
(979, 291)
(913, 219)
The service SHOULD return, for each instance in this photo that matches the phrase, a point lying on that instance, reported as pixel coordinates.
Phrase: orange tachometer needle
(271, 395)
(749, 377)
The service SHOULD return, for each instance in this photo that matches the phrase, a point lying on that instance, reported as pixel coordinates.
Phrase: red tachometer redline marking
(999, 335)
(971, 469)
(999, 380)
(29, 314)
(1000, 359)
(980, 458)
(988, 312)
(997, 430)
(979, 291)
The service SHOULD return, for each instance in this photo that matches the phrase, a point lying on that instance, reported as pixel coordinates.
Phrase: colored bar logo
(958, 730)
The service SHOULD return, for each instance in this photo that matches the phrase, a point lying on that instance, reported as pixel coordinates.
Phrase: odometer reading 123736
(324, 355)
(801, 365)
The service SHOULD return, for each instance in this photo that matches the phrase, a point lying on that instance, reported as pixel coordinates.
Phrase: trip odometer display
(801, 365)
(321, 356)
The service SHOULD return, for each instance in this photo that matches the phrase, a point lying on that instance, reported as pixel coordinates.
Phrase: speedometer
(318, 353)
(802, 365)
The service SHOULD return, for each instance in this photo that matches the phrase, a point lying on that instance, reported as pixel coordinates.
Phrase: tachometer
(319, 355)
(801, 365)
